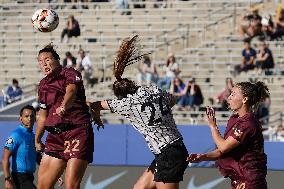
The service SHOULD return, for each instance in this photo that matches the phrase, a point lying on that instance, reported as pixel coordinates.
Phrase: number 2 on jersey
(164, 109)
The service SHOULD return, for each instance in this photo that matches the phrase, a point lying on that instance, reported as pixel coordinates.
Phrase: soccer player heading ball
(148, 108)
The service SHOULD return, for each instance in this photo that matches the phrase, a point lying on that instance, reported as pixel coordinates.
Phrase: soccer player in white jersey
(149, 110)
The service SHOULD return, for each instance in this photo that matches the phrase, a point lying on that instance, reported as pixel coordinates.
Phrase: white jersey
(150, 113)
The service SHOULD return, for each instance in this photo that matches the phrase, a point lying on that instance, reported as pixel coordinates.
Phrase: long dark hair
(255, 92)
(180, 83)
(127, 54)
(168, 59)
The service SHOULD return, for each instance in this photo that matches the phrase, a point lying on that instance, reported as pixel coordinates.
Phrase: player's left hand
(210, 112)
(195, 158)
(96, 116)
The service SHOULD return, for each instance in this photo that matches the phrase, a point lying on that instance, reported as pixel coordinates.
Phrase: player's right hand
(8, 184)
(39, 146)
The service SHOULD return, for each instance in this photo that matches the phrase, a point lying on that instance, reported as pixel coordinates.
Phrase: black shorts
(23, 180)
(170, 164)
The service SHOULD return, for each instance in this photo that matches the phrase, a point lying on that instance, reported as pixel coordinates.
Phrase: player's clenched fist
(95, 113)
(195, 158)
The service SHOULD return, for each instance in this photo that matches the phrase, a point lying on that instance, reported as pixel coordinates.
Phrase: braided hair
(128, 53)
(255, 92)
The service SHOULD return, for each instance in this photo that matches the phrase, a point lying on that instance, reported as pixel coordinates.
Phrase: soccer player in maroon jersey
(65, 115)
(240, 154)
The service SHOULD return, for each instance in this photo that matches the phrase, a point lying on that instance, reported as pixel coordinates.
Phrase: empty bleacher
(202, 34)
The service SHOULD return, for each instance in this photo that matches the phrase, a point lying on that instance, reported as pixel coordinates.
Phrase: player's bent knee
(140, 185)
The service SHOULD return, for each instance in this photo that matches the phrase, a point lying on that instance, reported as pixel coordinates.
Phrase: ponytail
(128, 53)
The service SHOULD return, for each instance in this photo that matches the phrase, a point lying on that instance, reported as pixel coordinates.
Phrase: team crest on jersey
(78, 78)
(42, 106)
(237, 132)
(10, 141)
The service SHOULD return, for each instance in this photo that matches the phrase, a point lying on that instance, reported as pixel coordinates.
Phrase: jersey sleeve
(73, 77)
(242, 132)
(12, 143)
(42, 97)
(118, 106)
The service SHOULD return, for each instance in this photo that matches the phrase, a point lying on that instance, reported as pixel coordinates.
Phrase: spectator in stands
(171, 70)
(72, 28)
(262, 112)
(240, 153)
(264, 57)
(176, 89)
(78, 4)
(251, 24)
(222, 97)
(69, 60)
(160, 4)
(248, 58)
(85, 66)
(267, 27)
(147, 71)
(13, 92)
(138, 3)
(279, 31)
(191, 96)
(280, 133)
(122, 5)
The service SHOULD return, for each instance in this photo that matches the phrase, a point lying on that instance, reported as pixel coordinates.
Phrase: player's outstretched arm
(69, 97)
(224, 145)
(210, 156)
(99, 105)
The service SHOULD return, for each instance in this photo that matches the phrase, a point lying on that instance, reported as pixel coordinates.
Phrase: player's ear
(245, 100)
(21, 119)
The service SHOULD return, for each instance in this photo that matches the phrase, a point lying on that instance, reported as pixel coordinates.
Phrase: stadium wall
(122, 145)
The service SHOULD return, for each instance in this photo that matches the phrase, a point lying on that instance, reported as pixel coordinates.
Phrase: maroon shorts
(75, 143)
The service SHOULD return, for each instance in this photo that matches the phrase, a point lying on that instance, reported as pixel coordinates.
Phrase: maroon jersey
(247, 162)
(51, 92)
